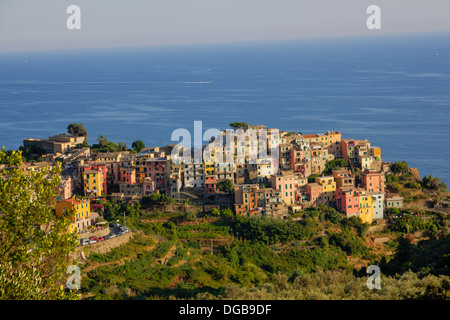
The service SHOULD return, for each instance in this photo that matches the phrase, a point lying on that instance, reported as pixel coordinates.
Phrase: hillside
(318, 255)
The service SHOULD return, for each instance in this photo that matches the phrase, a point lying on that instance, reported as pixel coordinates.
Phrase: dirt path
(168, 255)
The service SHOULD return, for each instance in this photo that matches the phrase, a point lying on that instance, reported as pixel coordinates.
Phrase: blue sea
(393, 90)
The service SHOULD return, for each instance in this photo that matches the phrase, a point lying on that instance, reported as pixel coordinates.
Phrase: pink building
(66, 188)
(210, 183)
(373, 181)
(148, 187)
(128, 175)
(154, 168)
(348, 148)
(347, 200)
(315, 193)
(287, 184)
(300, 161)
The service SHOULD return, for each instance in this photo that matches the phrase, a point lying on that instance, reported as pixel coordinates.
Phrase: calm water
(392, 90)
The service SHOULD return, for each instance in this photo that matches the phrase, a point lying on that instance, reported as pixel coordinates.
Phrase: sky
(28, 25)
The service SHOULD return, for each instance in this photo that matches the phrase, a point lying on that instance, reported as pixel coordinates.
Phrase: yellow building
(209, 159)
(331, 141)
(93, 182)
(209, 168)
(365, 207)
(77, 211)
(329, 189)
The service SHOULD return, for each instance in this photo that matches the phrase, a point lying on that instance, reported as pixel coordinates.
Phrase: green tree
(138, 145)
(334, 164)
(238, 125)
(334, 216)
(35, 246)
(227, 213)
(215, 212)
(102, 141)
(75, 129)
(312, 178)
(32, 153)
(399, 167)
(430, 182)
(122, 146)
(225, 185)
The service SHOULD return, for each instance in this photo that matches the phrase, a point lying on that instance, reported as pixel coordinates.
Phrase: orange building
(246, 199)
(331, 141)
(315, 193)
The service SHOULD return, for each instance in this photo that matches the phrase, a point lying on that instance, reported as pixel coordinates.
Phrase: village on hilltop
(309, 170)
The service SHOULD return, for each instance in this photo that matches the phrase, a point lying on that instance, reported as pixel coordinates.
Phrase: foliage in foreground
(339, 285)
(33, 258)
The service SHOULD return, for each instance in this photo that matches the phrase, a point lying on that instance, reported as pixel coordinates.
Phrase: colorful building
(287, 184)
(210, 183)
(154, 168)
(378, 205)
(246, 199)
(365, 206)
(66, 188)
(93, 183)
(328, 189)
(128, 175)
(373, 181)
(194, 175)
(361, 154)
(331, 141)
(347, 201)
(77, 211)
(343, 178)
(104, 170)
(393, 201)
(314, 193)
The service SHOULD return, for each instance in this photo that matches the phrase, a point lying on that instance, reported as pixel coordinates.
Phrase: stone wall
(98, 233)
(104, 246)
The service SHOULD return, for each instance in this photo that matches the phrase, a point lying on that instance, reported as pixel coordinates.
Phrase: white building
(378, 205)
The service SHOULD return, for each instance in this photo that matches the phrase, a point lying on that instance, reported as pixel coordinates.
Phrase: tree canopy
(238, 125)
(399, 167)
(75, 129)
(334, 164)
(104, 145)
(138, 145)
(430, 182)
(225, 185)
(35, 245)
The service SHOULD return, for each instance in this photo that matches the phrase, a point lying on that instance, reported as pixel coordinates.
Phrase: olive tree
(35, 246)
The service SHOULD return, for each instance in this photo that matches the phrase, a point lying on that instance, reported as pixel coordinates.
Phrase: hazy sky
(41, 24)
